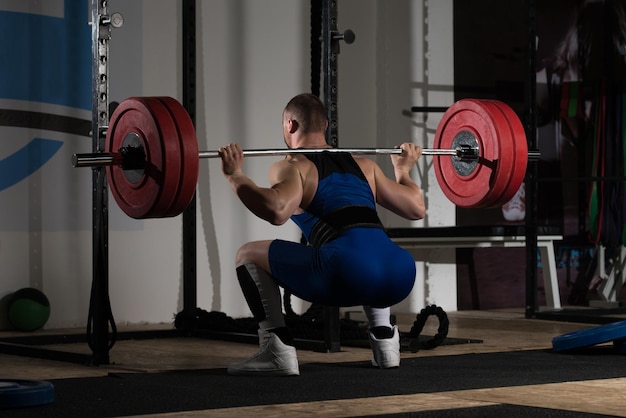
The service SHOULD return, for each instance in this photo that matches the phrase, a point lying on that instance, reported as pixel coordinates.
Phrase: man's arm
(402, 196)
(274, 204)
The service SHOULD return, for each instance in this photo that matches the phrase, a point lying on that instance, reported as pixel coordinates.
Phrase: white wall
(402, 57)
(252, 57)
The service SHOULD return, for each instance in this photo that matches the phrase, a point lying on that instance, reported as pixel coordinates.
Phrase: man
(350, 260)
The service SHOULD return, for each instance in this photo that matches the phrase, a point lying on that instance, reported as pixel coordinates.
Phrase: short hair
(309, 111)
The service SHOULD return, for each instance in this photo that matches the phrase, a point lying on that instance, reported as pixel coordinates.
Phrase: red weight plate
(503, 168)
(171, 174)
(134, 198)
(520, 147)
(189, 156)
(141, 198)
(469, 115)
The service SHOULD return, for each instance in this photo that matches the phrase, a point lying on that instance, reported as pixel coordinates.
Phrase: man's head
(305, 114)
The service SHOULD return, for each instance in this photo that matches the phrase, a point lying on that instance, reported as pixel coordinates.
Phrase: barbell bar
(123, 158)
(103, 159)
(151, 155)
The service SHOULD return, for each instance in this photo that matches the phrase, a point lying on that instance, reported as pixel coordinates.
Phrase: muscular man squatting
(349, 261)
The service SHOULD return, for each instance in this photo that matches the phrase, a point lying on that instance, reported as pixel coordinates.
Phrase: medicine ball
(29, 309)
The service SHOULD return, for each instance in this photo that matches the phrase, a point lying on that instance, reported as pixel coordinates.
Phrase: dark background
(491, 39)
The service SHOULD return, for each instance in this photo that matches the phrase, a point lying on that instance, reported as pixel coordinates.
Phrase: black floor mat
(144, 393)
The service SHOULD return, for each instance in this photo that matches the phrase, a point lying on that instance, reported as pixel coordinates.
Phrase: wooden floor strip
(606, 396)
(341, 408)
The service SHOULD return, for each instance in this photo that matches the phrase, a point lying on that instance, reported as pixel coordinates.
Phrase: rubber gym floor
(511, 371)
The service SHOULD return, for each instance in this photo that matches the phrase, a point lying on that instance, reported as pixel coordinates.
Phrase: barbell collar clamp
(467, 153)
(133, 158)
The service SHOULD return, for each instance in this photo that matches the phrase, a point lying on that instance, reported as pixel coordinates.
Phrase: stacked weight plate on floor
(615, 332)
(495, 130)
(162, 128)
(21, 393)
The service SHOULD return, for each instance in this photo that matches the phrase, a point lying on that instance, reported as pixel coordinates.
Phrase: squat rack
(101, 340)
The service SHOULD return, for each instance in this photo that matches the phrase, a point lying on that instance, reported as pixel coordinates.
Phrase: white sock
(378, 317)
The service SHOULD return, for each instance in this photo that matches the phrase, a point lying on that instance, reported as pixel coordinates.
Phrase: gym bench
(485, 237)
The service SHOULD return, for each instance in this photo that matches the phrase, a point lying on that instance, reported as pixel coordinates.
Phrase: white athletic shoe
(386, 351)
(274, 358)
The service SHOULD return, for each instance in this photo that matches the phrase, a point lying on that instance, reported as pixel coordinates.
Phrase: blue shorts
(361, 267)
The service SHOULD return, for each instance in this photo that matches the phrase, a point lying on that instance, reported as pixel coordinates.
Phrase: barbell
(152, 159)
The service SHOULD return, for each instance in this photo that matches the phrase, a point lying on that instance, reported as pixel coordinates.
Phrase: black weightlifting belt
(326, 230)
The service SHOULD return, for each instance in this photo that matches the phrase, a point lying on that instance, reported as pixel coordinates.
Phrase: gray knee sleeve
(262, 295)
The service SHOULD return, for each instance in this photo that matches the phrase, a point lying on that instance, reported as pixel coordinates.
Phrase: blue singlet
(355, 263)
